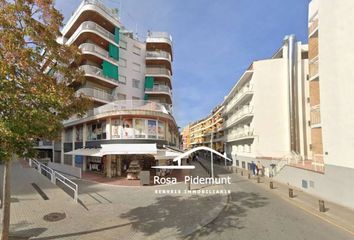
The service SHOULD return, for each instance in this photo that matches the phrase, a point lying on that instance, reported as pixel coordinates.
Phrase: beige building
(208, 131)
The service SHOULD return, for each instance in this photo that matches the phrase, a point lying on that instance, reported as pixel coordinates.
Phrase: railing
(315, 115)
(91, 26)
(43, 143)
(313, 26)
(157, 71)
(110, 12)
(95, 93)
(239, 133)
(313, 69)
(238, 96)
(159, 36)
(54, 176)
(131, 105)
(159, 88)
(95, 49)
(88, 69)
(158, 54)
(238, 115)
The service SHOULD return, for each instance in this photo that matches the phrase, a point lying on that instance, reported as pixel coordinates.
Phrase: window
(79, 133)
(68, 135)
(96, 131)
(152, 129)
(135, 98)
(136, 83)
(136, 50)
(136, 67)
(140, 128)
(121, 96)
(123, 62)
(123, 44)
(117, 128)
(122, 79)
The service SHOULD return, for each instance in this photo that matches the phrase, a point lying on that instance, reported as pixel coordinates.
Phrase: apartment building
(185, 138)
(208, 131)
(130, 84)
(331, 88)
(265, 112)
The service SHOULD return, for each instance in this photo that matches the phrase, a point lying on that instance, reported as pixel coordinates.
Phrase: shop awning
(116, 149)
(94, 152)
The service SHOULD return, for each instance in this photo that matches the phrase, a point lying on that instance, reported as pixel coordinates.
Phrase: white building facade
(265, 112)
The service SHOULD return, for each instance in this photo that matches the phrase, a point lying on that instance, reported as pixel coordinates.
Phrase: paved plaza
(106, 211)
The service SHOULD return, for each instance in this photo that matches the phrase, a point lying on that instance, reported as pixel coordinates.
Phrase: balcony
(158, 71)
(89, 48)
(238, 116)
(245, 91)
(313, 70)
(159, 37)
(158, 55)
(313, 27)
(96, 94)
(315, 116)
(158, 89)
(89, 26)
(43, 144)
(92, 71)
(239, 134)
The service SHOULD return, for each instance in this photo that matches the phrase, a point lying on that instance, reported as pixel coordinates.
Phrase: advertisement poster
(161, 130)
(128, 128)
(152, 128)
(117, 129)
(140, 130)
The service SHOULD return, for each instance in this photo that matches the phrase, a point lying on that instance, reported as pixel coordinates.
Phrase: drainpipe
(290, 41)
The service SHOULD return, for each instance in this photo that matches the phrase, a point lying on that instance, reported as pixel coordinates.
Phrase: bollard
(271, 185)
(291, 193)
(249, 176)
(321, 205)
(258, 179)
(241, 173)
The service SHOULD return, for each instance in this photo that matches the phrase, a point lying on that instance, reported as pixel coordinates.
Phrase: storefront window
(117, 129)
(128, 131)
(79, 133)
(140, 128)
(161, 130)
(97, 131)
(152, 129)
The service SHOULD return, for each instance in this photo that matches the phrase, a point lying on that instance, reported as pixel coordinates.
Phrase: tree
(33, 103)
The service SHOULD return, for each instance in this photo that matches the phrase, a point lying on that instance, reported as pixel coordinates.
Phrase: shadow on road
(175, 212)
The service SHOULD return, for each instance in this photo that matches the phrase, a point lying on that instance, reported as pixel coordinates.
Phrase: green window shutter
(146, 97)
(116, 34)
(110, 70)
(113, 51)
(149, 82)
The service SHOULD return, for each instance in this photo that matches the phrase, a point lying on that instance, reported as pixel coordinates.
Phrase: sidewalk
(335, 214)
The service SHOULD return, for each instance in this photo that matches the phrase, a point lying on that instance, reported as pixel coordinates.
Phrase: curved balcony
(158, 55)
(91, 27)
(159, 37)
(92, 49)
(95, 94)
(159, 89)
(93, 72)
(159, 72)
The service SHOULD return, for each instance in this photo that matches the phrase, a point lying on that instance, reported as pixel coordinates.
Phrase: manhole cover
(54, 217)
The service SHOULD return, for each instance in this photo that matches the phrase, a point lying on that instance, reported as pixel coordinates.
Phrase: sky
(214, 41)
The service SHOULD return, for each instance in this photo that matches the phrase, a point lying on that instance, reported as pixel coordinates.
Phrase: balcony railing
(43, 143)
(158, 71)
(158, 54)
(159, 89)
(95, 93)
(238, 96)
(313, 26)
(98, 72)
(92, 48)
(88, 25)
(315, 115)
(238, 134)
(238, 115)
(313, 69)
(159, 37)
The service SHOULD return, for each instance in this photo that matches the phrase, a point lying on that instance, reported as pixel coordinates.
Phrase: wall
(333, 185)
(336, 34)
(271, 114)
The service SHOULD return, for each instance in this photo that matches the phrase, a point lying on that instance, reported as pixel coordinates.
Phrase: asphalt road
(254, 213)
